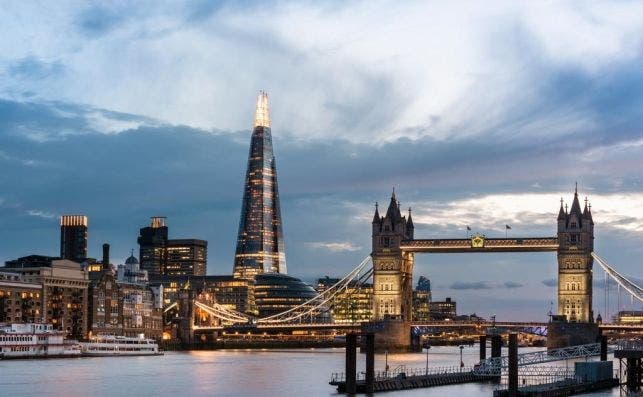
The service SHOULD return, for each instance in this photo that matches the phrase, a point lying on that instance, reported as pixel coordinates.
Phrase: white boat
(113, 345)
(28, 340)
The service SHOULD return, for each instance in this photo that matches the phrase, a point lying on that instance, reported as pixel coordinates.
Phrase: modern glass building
(260, 242)
(276, 293)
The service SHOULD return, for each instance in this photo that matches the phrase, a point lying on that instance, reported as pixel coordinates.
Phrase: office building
(352, 305)
(260, 241)
(443, 310)
(422, 300)
(186, 257)
(160, 255)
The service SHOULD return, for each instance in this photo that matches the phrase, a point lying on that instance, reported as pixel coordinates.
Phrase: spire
(376, 217)
(561, 213)
(575, 204)
(393, 211)
(262, 113)
(409, 221)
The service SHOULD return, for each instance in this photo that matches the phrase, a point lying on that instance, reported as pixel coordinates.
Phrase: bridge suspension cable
(623, 282)
(318, 303)
(314, 305)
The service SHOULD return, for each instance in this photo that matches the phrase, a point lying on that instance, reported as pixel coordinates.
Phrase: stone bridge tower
(392, 268)
(575, 246)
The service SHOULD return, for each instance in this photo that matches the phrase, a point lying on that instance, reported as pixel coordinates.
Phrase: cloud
(332, 75)
(41, 214)
(512, 284)
(550, 282)
(334, 247)
(472, 285)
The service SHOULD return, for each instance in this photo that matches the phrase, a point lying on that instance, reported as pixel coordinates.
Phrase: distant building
(153, 246)
(443, 310)
(160, 255)
(64, 290)
(235, 294)
(422, 300)
(20, 301)
(260, 241)
(354, 305)
(131, 272)
(630, 317)
(73, 237)
(123, 308)
(186, 257)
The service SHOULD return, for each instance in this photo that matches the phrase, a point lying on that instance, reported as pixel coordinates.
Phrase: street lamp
(461, 362)
(427, 357)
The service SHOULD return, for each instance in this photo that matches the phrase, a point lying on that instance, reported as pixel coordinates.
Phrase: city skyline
(546, 114)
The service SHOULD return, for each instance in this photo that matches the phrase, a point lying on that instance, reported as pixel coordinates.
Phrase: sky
(479, 114)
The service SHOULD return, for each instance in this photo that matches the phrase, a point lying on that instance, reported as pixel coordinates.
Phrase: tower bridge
(393, 250)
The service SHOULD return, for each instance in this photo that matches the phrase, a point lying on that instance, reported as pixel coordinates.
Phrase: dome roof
(131, 260)
(275, 293)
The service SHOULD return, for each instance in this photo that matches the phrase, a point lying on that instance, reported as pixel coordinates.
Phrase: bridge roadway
(515, 244)
(427, 324)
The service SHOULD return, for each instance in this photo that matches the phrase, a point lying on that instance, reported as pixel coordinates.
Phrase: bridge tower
(392, 267)
(575, 246)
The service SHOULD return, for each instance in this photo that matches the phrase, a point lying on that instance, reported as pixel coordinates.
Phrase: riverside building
(64, 291)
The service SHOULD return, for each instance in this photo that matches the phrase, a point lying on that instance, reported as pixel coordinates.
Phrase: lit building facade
(20, 302)
(123, 308)
(152, 241)
(186, 257)
(160, 255)
(260, 242)
(353, 305)
(576, 241)
(422, 300)
(443, 310)
(630, 317)
(64, 290)
(73, 237)
(276, 293)
(393, 270)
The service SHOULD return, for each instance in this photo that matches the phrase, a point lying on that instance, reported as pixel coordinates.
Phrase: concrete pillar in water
(483, 347)
(603, 348)
(351, 363)
(496, 345)
(513, 364)
(370, 363)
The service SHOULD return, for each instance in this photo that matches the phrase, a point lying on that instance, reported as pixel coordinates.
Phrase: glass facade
(276, 293)
(260, 242)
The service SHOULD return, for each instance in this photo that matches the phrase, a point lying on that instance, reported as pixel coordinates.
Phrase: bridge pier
(513, 364)
(351, 363)
(391, 335)
(496, 345)
(483, 347)
(561, 333)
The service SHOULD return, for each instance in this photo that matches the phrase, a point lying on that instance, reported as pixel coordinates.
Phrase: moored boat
(113, 345)
(29, 340)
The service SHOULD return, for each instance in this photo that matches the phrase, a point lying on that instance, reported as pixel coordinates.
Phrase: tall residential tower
(73, 237)
(260, 243)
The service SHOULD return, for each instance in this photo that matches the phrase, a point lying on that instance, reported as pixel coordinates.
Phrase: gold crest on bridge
(477, 241)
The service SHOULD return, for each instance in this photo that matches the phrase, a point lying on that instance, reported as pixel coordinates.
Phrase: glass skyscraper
(260, 242)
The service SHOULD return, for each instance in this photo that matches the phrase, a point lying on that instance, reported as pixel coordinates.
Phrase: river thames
(289, 372)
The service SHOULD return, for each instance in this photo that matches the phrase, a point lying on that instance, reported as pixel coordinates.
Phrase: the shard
(260, 242)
